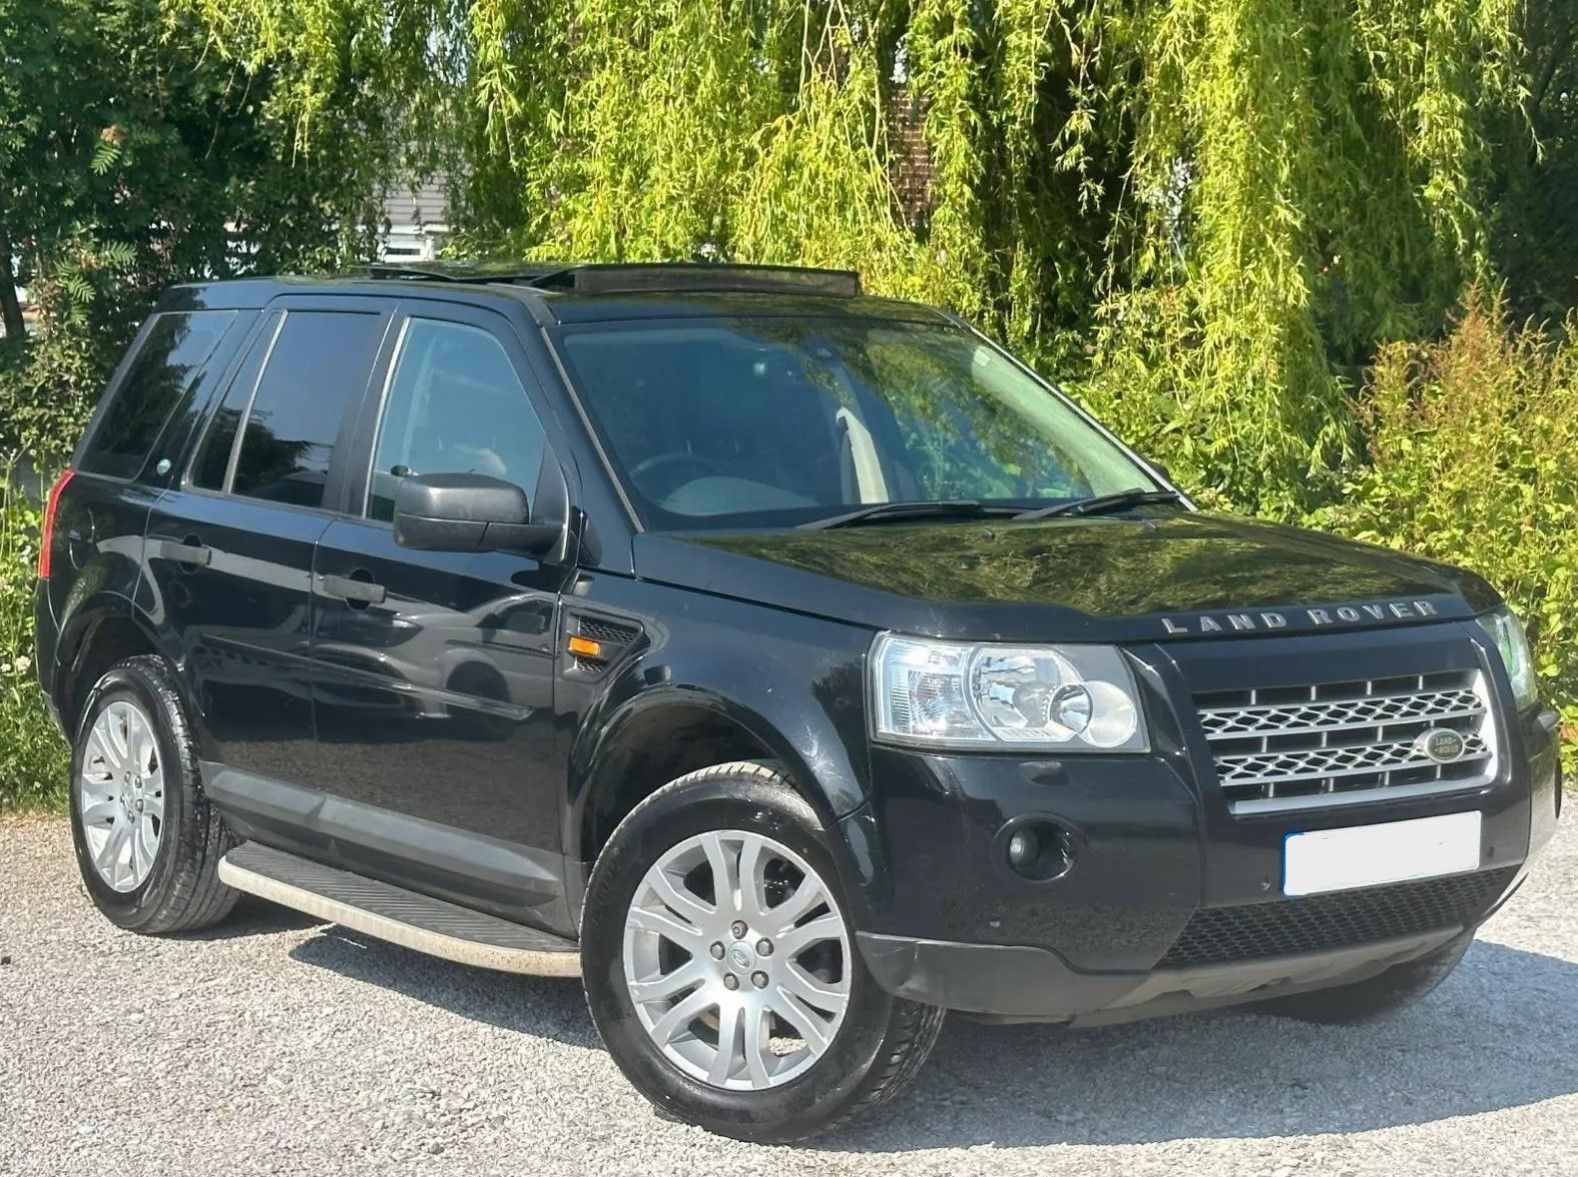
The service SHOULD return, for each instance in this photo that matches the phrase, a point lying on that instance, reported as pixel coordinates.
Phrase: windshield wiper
(1104, 504)
(933, 509)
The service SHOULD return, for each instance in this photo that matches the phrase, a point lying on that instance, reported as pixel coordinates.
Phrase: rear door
(434, 702)
(178, 359)
(230, 546)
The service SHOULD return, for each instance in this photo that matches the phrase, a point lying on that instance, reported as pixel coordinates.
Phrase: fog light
(1040, 850)
(1023, 849)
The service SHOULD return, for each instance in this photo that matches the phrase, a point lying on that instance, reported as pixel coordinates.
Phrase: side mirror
(467, 513)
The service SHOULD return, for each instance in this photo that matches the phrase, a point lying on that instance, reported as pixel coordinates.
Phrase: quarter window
(455, 406)
(316, 371)
(178, 349)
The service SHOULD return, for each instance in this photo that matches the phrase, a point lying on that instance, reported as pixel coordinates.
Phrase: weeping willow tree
(1201, 214)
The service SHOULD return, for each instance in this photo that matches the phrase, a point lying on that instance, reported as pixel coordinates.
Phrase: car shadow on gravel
(548, 1007)
(1493, 1036)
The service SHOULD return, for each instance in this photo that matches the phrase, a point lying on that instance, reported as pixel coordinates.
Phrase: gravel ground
(279, 1045)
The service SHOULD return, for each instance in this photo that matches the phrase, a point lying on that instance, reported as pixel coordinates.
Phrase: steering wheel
(673, 458)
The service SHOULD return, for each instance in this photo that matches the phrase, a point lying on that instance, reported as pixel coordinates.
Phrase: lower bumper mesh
(1288, 927)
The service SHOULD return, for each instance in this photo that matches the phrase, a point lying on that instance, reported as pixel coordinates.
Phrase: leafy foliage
(1535, 189)
(32, 756)
(1470, 442)
(131, 159)
(1205, 213)
(1207, 217)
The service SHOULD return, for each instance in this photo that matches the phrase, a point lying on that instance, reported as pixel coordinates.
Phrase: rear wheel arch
(102, 639)
(180, 888)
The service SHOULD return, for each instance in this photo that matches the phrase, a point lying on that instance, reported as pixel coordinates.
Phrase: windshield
(770, 422)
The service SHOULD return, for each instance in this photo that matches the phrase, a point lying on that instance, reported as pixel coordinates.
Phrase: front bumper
(1144, 922)
(1020, 983)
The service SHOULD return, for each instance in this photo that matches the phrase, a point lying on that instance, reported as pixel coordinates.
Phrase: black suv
(791, 665)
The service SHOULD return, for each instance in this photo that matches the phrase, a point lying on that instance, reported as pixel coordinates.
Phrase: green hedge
(32, 755)
(1469, 458)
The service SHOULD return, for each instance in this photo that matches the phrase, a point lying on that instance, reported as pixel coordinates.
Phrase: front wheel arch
(653, 741)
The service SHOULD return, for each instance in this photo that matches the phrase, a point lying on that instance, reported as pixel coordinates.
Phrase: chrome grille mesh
(1278, 748)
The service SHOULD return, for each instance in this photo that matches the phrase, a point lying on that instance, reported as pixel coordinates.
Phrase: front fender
(794, 685)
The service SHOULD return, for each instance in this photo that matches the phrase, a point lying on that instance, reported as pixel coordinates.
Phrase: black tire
(1376, 997)
(182, 891)
(878, 1048)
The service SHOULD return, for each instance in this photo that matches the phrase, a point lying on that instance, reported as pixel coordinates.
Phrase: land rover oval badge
(1441, 744)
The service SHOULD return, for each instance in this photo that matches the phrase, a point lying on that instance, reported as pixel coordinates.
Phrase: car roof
(569, 293)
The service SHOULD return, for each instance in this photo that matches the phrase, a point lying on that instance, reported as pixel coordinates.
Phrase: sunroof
(631, 278)
(701, 276)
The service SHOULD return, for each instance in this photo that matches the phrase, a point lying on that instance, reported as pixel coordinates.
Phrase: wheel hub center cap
(741, 957)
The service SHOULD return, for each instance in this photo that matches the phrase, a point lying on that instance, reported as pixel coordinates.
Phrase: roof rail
(622, 278)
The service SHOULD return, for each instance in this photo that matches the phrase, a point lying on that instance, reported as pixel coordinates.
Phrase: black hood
(1168, 574)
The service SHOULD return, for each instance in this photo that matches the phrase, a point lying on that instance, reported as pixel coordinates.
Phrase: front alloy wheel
(721, 967)
(737, 960)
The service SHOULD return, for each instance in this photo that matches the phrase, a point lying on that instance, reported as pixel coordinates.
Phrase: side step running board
(397, 915)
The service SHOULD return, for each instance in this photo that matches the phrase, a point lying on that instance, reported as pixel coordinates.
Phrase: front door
(434, 695)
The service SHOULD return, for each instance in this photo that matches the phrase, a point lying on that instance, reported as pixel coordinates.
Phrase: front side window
(773, 421)
(455, 405)
(317, 369)
(179, 348)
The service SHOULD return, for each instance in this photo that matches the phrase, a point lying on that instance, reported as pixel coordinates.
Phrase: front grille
(1279, 748)
(1288, 927)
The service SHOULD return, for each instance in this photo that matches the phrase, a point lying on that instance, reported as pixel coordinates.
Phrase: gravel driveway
(280, 1045)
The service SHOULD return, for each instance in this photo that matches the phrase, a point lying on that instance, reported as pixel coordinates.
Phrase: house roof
(425, 206)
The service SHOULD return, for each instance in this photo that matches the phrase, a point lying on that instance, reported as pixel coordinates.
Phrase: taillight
(46, 538)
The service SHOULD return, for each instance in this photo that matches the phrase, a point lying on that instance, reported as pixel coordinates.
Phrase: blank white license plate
(1394, 852)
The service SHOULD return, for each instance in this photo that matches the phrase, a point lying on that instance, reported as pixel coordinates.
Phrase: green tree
(132, 158)
(1536, 188)
(1207, 213)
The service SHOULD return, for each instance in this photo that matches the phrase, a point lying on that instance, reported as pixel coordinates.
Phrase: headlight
(962, 695)
(1506, 631)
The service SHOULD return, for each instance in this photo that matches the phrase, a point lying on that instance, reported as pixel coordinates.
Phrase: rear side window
(317, 369)
(179, 349)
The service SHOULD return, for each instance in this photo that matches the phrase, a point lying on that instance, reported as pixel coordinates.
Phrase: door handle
(190, 552)
(352, 589)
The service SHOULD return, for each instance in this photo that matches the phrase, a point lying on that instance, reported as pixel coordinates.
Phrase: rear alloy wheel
(148, 842)
(120, 795)
(721, 967)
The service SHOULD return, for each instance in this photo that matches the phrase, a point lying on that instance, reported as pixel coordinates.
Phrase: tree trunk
(10, 307)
